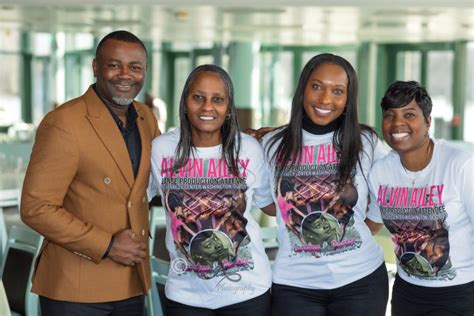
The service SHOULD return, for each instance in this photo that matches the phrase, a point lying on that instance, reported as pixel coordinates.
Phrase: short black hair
(400, 93)
(120, 35)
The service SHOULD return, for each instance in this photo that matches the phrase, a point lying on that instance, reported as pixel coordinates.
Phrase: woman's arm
(270, 209)
(373, 226)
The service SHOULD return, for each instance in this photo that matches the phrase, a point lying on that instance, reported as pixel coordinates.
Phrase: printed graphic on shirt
(206, 204)
(319, 218)
(416, 217)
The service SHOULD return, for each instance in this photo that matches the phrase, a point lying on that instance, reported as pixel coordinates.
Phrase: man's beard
(122, 101)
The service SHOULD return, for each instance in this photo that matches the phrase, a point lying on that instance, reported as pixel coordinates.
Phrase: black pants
(258, 306)
(134, 306)
(413, 300)
(365, 297)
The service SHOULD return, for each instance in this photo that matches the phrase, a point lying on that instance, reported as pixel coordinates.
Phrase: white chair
(155, 301)
(270, 237)
(270, 242)
(4, 307)
(160, 270)
(157, 248)
(158, 233)
(8, 198)
(3, 234)
(17, 270)
(157, 219)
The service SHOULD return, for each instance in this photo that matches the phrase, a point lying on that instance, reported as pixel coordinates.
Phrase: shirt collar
(132, 114)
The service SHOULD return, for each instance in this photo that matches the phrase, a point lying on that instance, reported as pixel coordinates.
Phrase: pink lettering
(392, 199)
(431, 195)
(164, 168)
(413, 200)
(212, 171)
(321, 154)
(308, 154)
(440, 189)
(381, 195)
(244, 164)
(403, 197)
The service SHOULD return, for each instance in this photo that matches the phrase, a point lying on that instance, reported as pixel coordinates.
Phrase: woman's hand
(259, 133)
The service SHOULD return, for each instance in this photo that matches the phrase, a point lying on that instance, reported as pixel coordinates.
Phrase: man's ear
(428, 122)
(94, 67)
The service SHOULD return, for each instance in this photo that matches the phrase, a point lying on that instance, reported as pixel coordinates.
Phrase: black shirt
(130, 134)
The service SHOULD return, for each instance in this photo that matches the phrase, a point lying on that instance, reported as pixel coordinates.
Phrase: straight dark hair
(120, 35)
(231, 138)
(347, 139)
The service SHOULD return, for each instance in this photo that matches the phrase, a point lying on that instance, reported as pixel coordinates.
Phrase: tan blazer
(79, 190)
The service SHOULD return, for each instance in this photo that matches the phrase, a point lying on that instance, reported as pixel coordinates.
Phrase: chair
(157, 218)
(4, 307)
(156, 298)
(17, 270)
(8, 198)
(158, 249)
(160, 270)
(3, 234)
(158, 233)
(270, 241)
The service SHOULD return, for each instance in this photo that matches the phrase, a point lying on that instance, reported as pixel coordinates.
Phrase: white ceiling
(298, 22)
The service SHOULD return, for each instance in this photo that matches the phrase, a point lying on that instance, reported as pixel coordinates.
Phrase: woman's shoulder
(386, 162)
(269, 138)
(449, 152)
(368, 135)
(167, 139)
(249, 143)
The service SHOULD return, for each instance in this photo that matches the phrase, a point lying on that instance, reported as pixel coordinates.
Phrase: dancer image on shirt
(210, 175)
(328, 261)
(423, 191)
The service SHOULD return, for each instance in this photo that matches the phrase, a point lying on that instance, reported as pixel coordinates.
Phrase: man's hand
(126, 250)
(259, 133)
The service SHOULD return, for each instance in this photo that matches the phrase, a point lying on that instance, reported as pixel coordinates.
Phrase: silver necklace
(412, 174)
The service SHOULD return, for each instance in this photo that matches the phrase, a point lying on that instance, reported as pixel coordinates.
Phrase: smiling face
(120, 71)
(405, 129)
(322, 229)
(207, 106)
(325, 94)
(211, 246)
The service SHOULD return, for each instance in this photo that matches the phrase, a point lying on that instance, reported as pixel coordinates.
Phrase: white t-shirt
(215, 245)
(430, 214)
(324, 242)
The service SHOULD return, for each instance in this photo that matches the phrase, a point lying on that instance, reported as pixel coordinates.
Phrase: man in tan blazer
(85, 191)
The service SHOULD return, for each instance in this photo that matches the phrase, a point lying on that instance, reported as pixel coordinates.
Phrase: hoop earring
(227, 117)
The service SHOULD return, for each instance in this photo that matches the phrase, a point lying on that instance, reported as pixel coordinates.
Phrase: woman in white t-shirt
(328, 262)
(210, 176)
(425, 198)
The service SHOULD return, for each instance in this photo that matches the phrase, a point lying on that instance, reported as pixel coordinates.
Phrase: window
(469, 106)
(439, 86)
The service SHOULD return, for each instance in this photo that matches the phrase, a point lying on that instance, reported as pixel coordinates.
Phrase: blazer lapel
(108, 132)
(145, 137)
